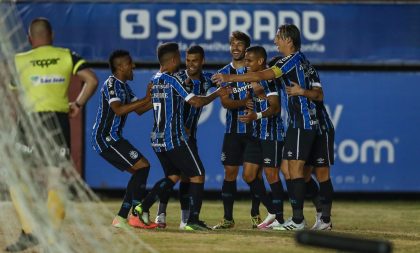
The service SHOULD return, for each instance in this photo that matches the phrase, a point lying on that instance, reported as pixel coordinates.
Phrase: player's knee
(231, 174)
(272, 176)
(248, 177)
(322, 174)
(141, 164)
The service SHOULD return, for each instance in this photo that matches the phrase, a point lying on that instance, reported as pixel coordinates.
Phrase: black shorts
(322, 154)
(121, 154)
(238, 148)
(299, 143)
(271, 153)
(253, 152)
(55, 125)
(182, 160)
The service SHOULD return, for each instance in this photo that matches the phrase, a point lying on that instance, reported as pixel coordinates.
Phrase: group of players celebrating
(250, 89)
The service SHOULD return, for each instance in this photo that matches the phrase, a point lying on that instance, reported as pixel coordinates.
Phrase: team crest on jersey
(111, 92)
(267, 160)
(133, 154)
(223, 157)
(108, 138)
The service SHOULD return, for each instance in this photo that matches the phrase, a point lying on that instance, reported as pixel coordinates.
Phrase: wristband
(259, 115)
(77, 104)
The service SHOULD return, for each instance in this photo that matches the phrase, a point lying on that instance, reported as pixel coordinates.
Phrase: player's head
(238, 41)
(255, 58)
(169, 57)
(121, 65)
(287, 39)
(194, 60)
(40, 32)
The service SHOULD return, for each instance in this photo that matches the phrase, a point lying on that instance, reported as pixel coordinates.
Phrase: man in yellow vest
(44, 75)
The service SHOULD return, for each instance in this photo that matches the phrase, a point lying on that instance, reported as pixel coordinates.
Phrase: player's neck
(164, 68)
(238, 63)
(120, 77)
(195, 76)
(289, 51)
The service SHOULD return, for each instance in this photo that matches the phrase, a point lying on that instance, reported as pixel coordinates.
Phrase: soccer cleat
(120, 222)
(267, 221)
(291, 225)
(255, 220)
(161, 220)
(225, 224)
(135, 221)
(182, 225)
(275, 224)
(197, 226)
(144, 216)
(320, 224)
(25, 241)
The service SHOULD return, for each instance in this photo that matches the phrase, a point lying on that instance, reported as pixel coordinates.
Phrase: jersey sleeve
(285, 64)
(270, 88)
(314, 78)
(133, 96)
(176, 84)
(208, 83)
(111, 90)
(78, 63)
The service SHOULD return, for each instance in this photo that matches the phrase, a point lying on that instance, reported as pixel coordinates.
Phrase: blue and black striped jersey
(268, 128)
(108, 126)
(296, 68)
(198, 87)
(168, 96)
(239, 92)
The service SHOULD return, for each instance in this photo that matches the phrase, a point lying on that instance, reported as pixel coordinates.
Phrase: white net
(44, 184)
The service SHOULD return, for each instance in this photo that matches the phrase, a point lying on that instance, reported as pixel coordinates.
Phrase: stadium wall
(375, 112)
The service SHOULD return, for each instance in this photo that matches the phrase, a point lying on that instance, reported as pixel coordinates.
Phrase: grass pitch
(396, 221)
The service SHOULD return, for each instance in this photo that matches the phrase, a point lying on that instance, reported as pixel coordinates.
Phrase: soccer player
(170, 141)
(320, 161)
(117, 100)
(239, 146)
(268, 128)
(303, 124)
(199, 83)
(48, 98)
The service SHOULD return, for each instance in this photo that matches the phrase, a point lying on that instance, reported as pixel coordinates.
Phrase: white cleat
(161, 220)
(291, 225)
(275, 224)
(182, 225)
(320, 224)
(267, 221)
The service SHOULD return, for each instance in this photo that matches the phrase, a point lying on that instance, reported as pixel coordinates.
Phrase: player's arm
(273, 109)
(142, 105)
(90, 83)
(199, 101)
(232, 104)
(266, 74)
(147, 106)
(315, 93)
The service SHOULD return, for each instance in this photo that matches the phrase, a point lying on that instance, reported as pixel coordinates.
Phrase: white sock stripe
(196, 164)
(116, 151)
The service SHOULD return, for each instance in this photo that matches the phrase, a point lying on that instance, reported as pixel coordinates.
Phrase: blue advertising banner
(376, 148)
(331, 33)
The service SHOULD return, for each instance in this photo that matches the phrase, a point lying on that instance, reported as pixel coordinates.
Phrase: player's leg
(232, 158)
(312, 188)
(272, 151)
(184, 188)
(297, 150)
(255, 204)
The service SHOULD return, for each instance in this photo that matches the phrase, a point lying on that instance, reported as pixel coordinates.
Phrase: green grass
(396, 221)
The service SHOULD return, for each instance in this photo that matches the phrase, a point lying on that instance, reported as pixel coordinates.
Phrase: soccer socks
(255, 203)
(312, 192)
(297, 199)
(139, 185)
(326, 191)
(128, 198)
(56, 210)
(196, 200)
(163, 186)
(277, 193)
(258, 189)
(20, 209)
(228, 196)
(184, 200)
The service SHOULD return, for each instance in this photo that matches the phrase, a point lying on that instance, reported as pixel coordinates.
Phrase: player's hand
(224, 91)
(219, 79)
(74, 109)
(250, 104)
(294, 90)
(149, 90)
(247, 99)
(258, 90)
(249, 116)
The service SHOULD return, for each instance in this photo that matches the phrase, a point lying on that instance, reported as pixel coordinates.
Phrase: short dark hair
(44, 22)
(114, 55)
(258, 50)
(166, 49)
(196, 49)
(238, 35)
(290, 31)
